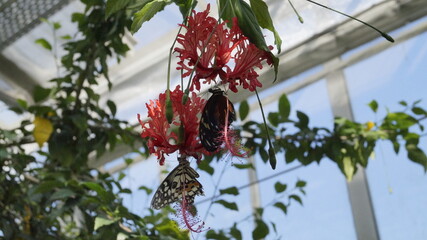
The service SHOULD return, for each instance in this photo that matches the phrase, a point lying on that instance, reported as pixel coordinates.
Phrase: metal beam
(22, 83)
(358, 189)
(254, 189)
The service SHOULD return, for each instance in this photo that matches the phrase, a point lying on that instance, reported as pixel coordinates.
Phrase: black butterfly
(181, 181)
(213, 119)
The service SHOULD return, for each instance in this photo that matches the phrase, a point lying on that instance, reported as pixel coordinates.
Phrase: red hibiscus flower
(226, 53)
(182, 134)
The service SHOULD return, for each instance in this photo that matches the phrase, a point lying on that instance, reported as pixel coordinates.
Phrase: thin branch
(215, 189)
(255, 182)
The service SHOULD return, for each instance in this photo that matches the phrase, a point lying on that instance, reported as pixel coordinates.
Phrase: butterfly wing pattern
(212, 122)
(181, 181)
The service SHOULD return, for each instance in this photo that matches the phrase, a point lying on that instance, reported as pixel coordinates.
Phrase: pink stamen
(189, 220)
(232, 143)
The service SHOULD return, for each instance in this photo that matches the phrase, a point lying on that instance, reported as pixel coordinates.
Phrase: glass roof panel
(316, 19)
(34, 59)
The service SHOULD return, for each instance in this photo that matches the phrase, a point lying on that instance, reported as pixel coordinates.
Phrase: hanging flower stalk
(209, 50)
(181, 185)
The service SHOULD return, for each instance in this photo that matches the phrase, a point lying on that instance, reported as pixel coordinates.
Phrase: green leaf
(282, 207)
(243, 110)
(303, 120)
(261, 230)
(77, 17)
(80, 121)
(260, 9)
(284, 107)
(246, 20)
(231, 190)
(112, 107)
(276, 61)
(56, 25)
(102, 193)
(16, 110)
(44, 43)
(40, 93)
(258, 212)
(62, 194)
(147, 12)
(373, 105)
(100, 222)
(248, 24)
(263, 154)
(114, 6)
(170, 228)
(300, 184)
(40, 110)
(122, 236)
(66, 37)
(274, 227)
(229, 205)
(185, 6)
(47, 186)
(416, 102)
(205, 166)
(290, 155)
(146, 189)
(279, 187)
(296, 198)
(396, 146)
(417, 155)
(125, 190)
(419, 111)
(128, 161)
(403, 103)
(235, 233)
(121, 176)
(22, 103)
(211, 234)
(273, 118)
(401, 120)
(244, 166)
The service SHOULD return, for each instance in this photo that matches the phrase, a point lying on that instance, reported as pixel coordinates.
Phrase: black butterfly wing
(213, 120)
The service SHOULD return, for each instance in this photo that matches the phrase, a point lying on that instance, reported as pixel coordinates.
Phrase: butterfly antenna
(383, 34)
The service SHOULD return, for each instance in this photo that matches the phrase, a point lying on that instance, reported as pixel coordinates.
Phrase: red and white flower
(224, 53)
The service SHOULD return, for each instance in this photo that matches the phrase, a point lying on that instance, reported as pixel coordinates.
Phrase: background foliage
(50, 192)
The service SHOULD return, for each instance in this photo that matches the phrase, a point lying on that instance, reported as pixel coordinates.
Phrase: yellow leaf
(42, 130)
